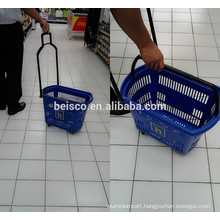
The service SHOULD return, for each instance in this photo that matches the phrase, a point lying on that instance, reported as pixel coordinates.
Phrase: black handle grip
(38, 61)
(134, 64)
(185, 75)
(115, 87)
(42, 38)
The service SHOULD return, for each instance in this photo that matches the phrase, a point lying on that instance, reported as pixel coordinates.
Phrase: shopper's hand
(152, 56)
(45, 26)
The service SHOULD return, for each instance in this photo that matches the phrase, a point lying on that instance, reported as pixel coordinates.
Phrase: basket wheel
(48, 125)
(143, 133)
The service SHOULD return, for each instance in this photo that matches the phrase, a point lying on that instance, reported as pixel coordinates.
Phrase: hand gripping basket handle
(38, 62)
(187, 76)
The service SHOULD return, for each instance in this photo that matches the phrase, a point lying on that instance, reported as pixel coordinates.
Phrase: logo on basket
(59, 115)
(157, 129)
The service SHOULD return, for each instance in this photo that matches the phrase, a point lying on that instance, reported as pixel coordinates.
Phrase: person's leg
(3, 93)
(2, 85)
(14, 56)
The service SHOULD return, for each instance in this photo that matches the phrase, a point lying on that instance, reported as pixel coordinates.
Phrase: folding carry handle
(38, 62)
(176, 71)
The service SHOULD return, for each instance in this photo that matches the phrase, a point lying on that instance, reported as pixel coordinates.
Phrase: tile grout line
(106, 195)
(216, 44)
(71, 162)
(74, 182)
(207, 150)
(167, 181)
(210, 176)
(45, 183)
(128, 180)
(135, 165)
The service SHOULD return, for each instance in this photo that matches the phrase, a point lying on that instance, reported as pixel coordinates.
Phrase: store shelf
(55, 15)
(27, 24)
(56, 21)
(102, 46)
(104, 32)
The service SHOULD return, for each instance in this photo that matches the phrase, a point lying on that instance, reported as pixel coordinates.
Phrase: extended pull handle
(42, 38)
(115, 87)
(38, 61)
(185, 75)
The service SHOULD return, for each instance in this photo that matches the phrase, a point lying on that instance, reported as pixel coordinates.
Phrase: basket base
(71, 130)
(183, 147)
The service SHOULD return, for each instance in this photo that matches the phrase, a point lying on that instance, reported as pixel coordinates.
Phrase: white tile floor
(144, 172)
(45, 168)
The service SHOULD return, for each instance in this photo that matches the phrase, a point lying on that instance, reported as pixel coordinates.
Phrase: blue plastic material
(190, 107)
(70, 120)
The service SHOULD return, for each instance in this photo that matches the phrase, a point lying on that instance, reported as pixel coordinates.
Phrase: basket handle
(38, 61)
(118, 94)
(187, 76)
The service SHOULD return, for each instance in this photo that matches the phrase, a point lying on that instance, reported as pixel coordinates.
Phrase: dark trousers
(11, 61)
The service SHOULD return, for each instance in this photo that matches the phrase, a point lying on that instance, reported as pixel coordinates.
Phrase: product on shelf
(55, 15)
(27, 24)
(59, 13)
(103, 42)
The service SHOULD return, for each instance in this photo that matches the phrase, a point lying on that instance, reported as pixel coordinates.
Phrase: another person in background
(11, 56)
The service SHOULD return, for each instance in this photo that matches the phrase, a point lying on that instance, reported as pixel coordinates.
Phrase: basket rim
(51, 87)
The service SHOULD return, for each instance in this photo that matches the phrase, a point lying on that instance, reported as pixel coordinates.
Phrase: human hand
(45, 26)
(152, 56)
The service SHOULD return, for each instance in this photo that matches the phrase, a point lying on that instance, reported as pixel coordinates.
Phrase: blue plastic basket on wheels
(64, 107)
(192, 105)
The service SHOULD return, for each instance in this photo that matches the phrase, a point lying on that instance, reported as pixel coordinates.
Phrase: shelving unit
(102, 46)
(55, 15)
(27, 24)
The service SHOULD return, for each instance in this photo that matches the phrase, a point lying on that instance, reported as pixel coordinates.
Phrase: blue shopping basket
(64, 107)
(191, 105)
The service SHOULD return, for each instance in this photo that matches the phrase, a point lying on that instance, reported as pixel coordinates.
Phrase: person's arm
(131, 22)
(35, 15)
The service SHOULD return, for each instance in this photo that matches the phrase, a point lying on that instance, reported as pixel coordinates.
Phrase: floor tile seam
(99, 171)
(134, 172)
(73, 176)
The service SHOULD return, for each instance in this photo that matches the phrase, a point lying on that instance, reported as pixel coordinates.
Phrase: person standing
(11, 56)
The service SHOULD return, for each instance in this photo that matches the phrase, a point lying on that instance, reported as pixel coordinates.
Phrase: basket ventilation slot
(176, 86)
(183, 115)
(197, 113)
(213, 109)
(161, 96)
(138, 85)
(144, 98)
